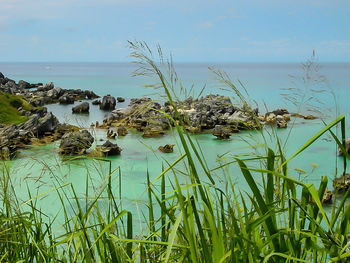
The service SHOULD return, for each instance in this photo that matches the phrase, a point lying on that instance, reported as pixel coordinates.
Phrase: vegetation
(9, 105)
(279, 220)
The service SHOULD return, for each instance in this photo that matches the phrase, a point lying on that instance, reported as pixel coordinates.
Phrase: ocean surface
(40, 169)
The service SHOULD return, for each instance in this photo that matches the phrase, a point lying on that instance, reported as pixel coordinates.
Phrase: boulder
(122, 131)
(108, 103)
(106, 149)
(81, 108)
(66, 99)
(75, 143)
(342, 183)
(221, 132)
(91, 95)
(168, 148)
(23, 85)
(55, 93)
(96, 102)
(120, 99)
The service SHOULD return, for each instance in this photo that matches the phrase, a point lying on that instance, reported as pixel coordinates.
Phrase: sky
(191, 30)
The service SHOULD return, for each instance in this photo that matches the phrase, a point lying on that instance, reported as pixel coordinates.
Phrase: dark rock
(96, 102)
(280, 112)
(81, 108)
(55, 93)
(75, 143)
(342, 183)
(91, 95)
(168, 148)
(347, 147)
(108, 103)
(222, 133)
(120, 99)
(39, 126)
(2, 76)
(106, 149)
(47, 124)
(66, 99)
(24, 84)
(122, 131)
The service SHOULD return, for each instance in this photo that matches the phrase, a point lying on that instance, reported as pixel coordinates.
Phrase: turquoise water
(40, 168)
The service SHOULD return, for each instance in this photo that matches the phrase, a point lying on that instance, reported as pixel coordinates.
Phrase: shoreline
(215, 114)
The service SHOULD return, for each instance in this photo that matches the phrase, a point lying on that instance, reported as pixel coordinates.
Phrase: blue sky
(193, 31)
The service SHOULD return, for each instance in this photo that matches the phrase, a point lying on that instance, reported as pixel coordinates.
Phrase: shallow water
(41, 169)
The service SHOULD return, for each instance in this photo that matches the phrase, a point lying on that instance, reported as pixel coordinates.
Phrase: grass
(9, 105)
(278, 220)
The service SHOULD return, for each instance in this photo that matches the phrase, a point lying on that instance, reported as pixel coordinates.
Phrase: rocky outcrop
(108, 103)
(342, 183)
(197, 114)
(81, 108)
(221, 132)
(106, 149)
(76, 143)
(39, 94)
(41, 126)
(168, 148)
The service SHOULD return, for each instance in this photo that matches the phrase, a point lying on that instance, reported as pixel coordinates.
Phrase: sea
(322, 90)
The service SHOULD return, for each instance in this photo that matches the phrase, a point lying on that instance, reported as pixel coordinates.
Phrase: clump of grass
(9, 104)
(279, 219)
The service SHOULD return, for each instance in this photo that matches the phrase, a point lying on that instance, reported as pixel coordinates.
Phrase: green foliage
(9, 105)
(281, 220)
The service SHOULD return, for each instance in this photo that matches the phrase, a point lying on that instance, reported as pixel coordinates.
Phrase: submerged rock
(108, 103)
(106, 149)
(168, 148)
(75, 143)
(81, 108)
